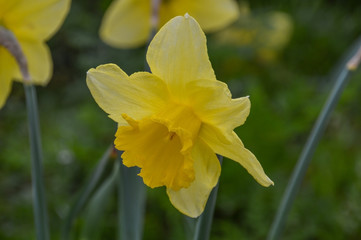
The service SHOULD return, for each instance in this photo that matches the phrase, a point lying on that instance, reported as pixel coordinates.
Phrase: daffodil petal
(192, 200)
(126, 23)
(213, 103)
(6, 6)
(36, 19)
(208, 129)
(7, 70)
(39, 60)
(237, 152)
(216, 15)
(138, 96)
(212, 15)
(178, 54)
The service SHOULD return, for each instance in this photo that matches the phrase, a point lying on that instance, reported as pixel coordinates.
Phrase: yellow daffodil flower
(32, 23)
(127, 23)
(173, 121)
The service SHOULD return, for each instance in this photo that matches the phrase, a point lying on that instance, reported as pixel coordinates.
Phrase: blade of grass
(311, 144)
(39, 202)
(204, 222)
(83, 197)
(97, 205)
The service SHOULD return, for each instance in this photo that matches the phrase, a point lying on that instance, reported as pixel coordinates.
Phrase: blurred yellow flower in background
(127, 23)
(32, 23)
(172, 122)
(264, 35)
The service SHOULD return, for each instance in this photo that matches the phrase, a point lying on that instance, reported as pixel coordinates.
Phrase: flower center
(161, 146)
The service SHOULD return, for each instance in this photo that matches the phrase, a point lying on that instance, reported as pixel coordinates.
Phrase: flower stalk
(39, 202)
(131, 188)
(204, 222)
(310, 146)
(9, 41)
(155, 16)
(132, 196)
(353, 63)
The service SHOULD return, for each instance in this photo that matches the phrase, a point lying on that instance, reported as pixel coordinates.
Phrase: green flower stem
(39, 202)
(132, 203)
(204, 222)
(132, 192)
(84, 196)
(309, 148)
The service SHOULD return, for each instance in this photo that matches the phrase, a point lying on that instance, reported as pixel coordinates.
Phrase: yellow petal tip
(269, 183)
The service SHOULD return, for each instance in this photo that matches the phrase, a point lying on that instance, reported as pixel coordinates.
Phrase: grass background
(287, 93)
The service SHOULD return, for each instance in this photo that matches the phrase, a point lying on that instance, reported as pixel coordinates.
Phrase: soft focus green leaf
(97, 206)
(89, 187)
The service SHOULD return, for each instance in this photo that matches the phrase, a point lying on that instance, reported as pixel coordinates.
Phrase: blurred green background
(284, 54)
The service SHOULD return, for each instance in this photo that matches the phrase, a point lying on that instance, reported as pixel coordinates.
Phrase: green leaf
(339, 84)
(97, 205)
(88, 189)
